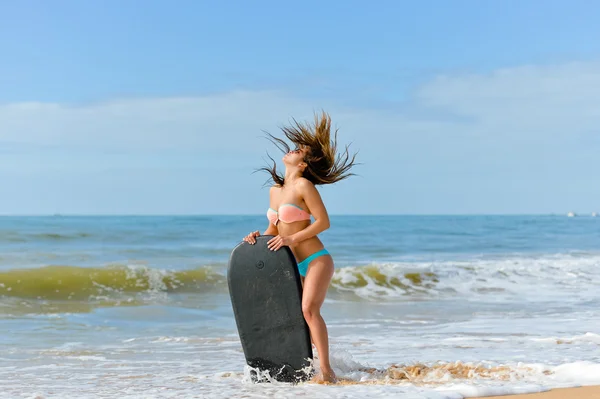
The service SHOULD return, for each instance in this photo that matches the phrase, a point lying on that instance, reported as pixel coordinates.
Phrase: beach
(591, 392)
(443, 307)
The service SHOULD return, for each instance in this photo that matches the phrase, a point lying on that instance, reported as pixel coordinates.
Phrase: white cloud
(531, 100)
(211, 123)
(475, 135)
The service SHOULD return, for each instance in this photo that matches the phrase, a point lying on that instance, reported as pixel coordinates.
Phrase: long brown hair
(324, 164)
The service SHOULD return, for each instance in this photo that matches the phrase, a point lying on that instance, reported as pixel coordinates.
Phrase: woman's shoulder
(304, 183)
(276, 188)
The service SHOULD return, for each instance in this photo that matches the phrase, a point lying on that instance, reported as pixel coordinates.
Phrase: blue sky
(156, 107)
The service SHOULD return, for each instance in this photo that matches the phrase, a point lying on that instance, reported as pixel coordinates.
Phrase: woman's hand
(278, 241)
(251, 238)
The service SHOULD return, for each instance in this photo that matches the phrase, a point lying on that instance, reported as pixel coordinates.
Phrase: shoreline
(582, 392)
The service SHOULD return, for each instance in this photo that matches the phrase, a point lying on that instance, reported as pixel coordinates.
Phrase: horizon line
(59, 214)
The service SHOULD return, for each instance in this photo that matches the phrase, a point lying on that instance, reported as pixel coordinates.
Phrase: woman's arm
(272, 230)
(313, 201)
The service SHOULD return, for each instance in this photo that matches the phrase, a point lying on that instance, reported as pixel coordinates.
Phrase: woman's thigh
(317, 281)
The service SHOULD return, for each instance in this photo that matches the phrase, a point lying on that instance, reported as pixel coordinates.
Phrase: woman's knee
(310, 311)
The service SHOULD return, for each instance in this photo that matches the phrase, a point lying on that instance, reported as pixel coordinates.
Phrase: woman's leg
(316, 283)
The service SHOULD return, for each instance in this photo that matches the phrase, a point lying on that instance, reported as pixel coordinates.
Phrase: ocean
(419, 307)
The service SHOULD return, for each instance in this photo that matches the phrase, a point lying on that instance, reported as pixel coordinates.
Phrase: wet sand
(591, 392)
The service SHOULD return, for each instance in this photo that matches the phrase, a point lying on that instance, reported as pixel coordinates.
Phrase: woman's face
(295, 156)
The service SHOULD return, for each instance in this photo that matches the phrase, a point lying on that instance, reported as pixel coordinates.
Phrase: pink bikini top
(288, 213)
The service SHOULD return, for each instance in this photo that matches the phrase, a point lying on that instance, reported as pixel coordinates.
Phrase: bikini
(289, 213)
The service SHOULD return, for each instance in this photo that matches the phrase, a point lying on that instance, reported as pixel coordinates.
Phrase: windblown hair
(324, 164)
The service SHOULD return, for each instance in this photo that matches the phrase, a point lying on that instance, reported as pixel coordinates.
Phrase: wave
(12, 236)
(529, 277)
(578, 339)
(382, 280)
(81, 283)
(534, 277)
(439, 373)
(57, 236)
(458, 378)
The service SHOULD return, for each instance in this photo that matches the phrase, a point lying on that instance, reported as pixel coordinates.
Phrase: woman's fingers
(274, 243)
(251, 238)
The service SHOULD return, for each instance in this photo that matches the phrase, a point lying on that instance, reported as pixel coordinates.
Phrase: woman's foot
(326, 376)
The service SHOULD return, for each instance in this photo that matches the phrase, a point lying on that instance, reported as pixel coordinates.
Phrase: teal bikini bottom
(303, 266)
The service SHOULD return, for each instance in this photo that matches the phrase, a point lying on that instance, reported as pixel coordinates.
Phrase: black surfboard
(266, 294)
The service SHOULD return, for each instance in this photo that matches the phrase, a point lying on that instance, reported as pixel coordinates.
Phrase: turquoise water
(138, 306)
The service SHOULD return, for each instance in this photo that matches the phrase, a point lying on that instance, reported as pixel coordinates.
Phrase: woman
(293, 199)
